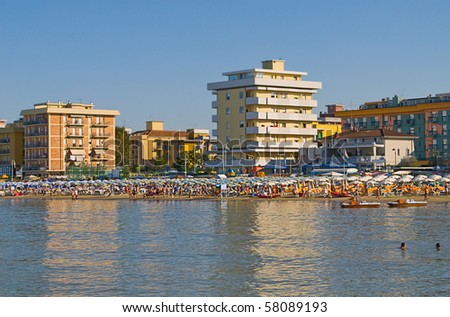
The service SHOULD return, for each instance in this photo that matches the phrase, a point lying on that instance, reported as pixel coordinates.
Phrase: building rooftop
(161, 133)
(386, 133)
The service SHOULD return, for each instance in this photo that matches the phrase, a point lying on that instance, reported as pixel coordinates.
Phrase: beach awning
(99, 152)
(77, 158)
(77, 152)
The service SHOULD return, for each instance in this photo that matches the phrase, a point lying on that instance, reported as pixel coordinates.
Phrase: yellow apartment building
(59, 135)
(156, 144)
(264, 114)
(328, 124)
(11, 147)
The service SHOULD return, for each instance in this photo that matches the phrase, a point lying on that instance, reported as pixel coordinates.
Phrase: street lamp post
(395, 156)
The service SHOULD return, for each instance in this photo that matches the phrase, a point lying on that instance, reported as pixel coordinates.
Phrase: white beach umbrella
(402, 172)
(366, 178)
(380, 178)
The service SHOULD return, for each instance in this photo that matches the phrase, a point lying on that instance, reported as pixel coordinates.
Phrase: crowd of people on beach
(294, 186)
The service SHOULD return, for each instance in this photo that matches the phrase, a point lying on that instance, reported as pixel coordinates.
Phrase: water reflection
(286, 233)
(81, 246)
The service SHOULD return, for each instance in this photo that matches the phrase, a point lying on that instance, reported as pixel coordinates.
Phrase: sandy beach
(440, 198)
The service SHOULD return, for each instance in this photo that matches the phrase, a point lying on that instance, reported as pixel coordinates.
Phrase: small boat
(402, 203)
(269, 195)
(359, 203)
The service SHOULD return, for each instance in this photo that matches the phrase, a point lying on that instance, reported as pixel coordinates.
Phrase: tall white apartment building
(264, 114)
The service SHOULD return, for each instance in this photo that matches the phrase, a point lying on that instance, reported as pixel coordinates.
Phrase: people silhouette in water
(403, 246)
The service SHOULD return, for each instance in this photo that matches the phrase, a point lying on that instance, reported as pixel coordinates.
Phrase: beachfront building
(428, 119)
(59, 135)
(156, 146)
(263, 114)
(11, 148)
(373, 149)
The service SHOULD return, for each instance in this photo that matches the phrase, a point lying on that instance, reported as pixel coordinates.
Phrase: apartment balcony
(365, 159)
(42, 133)
(100, 136)
(99, 124)
(74, 146)
(292, 131)
(36, 145)
(214, 105)
(286, 116)
(74, 123)
(74, 135)
(299, 85)
(99, 158)
(214, 132)
(281, 131)
(99, 147)
(214, 118)
(36, 157)
(256, 130)
(35, 122)
(36, 168)
(5, 152)
(275, 145)
(281, 102)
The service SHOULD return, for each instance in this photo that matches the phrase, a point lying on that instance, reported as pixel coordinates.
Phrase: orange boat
(356, 202)
(403, 203)
(340, 194)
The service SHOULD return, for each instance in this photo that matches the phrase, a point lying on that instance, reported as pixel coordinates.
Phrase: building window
(228, 125)
(259, 75)
(241, 124)
(227, 96)
(241, 109)
(227, 110)
(241, 95)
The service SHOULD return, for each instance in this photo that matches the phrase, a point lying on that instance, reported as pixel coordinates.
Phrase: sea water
(248, 247)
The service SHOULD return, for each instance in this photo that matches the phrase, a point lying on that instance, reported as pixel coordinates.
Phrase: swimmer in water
(438, 246)
(403, 246)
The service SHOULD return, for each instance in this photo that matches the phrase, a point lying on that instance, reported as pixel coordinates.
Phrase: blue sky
(151, 60)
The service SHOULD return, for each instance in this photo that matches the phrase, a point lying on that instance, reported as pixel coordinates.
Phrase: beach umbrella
(380, 178)
(402, 172)
(365, 178)
(420, 178)
(445, 180)
(353, 178)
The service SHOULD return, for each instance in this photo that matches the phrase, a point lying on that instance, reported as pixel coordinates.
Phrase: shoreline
(440, 198)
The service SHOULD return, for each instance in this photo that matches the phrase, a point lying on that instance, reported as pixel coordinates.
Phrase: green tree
(123, 145)
(194, 161)
(409, 162)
